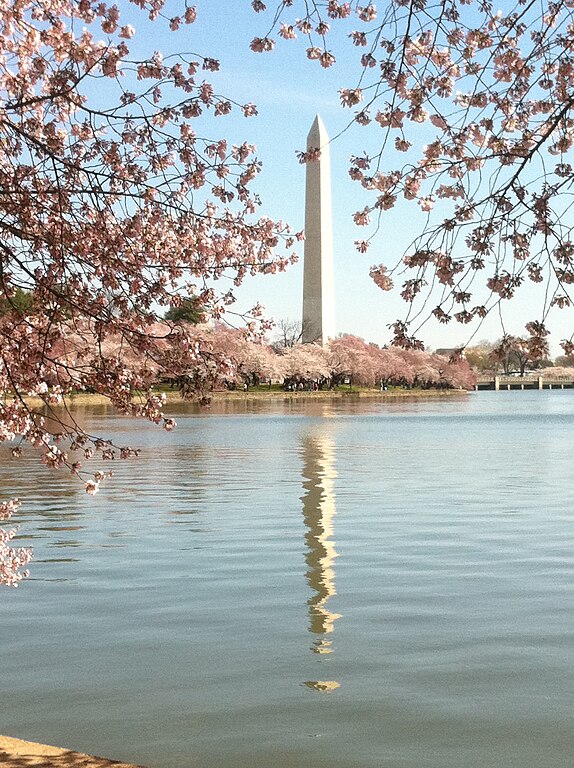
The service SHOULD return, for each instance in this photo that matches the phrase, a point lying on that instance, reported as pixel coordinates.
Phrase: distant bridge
(542, 381)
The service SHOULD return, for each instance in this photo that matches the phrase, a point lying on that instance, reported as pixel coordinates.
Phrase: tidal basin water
(291, 584)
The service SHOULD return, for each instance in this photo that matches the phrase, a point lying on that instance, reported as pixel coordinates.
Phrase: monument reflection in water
(319, 510)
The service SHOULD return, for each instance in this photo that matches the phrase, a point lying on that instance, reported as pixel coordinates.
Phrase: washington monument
(318, 322)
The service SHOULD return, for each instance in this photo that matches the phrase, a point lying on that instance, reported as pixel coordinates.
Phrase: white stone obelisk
(318, 282)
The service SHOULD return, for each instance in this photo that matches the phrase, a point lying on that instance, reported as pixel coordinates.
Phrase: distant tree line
(512, 354)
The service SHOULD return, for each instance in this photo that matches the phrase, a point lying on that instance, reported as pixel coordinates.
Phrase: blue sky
(289, 91)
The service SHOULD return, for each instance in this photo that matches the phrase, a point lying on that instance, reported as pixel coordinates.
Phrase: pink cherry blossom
(100, 231)
(378, 273)
(12, 559)
(495, 89)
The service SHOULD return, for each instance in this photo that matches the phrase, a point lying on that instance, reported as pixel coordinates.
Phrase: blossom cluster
(116, 204)
(12, 559)
(474, 114)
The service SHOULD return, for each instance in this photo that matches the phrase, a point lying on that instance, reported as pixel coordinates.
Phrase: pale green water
(419, 555)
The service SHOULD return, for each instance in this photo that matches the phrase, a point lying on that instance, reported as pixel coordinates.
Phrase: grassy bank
(264, 393)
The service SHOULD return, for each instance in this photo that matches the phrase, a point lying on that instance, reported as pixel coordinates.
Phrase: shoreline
(173, 396)
(371, 394)
(17, 753)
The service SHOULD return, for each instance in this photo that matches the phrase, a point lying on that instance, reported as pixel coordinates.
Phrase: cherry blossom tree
(351, 356)
(306, 361)
(393, 368)
(369, 365)
(262, 363)
(470, 110)
(114, 209)
(454, 374)
(239, 357)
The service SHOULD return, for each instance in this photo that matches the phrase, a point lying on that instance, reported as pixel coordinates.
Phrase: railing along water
(543, 381)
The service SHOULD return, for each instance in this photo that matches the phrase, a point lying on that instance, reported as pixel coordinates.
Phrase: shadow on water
(319, 509)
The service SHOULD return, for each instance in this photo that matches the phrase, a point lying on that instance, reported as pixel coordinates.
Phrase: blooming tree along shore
(114, 207)
(121, 199)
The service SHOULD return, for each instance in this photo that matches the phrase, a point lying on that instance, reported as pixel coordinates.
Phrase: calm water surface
(326, 584)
